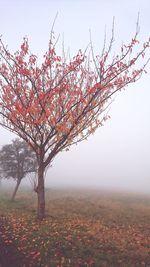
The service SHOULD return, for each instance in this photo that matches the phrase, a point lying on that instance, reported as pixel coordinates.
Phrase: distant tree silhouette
(17, 160)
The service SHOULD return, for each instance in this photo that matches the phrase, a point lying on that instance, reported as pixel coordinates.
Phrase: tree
(17, 161)
(61, 101)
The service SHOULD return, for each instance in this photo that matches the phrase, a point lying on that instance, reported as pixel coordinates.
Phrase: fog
(117, 156)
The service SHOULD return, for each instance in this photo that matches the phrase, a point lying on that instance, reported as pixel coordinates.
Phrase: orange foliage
(61, 98)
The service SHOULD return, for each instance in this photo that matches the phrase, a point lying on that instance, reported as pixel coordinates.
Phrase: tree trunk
(41, 194)
(15, 190)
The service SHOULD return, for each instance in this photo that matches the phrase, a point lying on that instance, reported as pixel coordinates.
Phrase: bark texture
(41, 194)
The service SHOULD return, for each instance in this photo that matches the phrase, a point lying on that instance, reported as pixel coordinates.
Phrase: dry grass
(83, 228)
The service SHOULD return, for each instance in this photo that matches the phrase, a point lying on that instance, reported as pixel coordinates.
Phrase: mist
(117, 156)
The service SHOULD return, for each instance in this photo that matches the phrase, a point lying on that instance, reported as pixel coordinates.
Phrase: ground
(83, 228)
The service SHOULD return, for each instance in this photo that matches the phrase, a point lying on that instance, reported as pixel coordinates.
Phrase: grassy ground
(82, 229)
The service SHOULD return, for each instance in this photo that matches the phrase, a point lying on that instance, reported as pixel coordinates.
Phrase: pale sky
(118, 154)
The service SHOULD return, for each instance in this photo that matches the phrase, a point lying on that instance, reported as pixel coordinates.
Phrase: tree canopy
(61, 101)
(17, 160)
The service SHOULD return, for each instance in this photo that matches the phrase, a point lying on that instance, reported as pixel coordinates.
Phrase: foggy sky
(118, 154)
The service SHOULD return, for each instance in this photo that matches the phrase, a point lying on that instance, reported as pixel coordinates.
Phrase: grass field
(83, 228)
